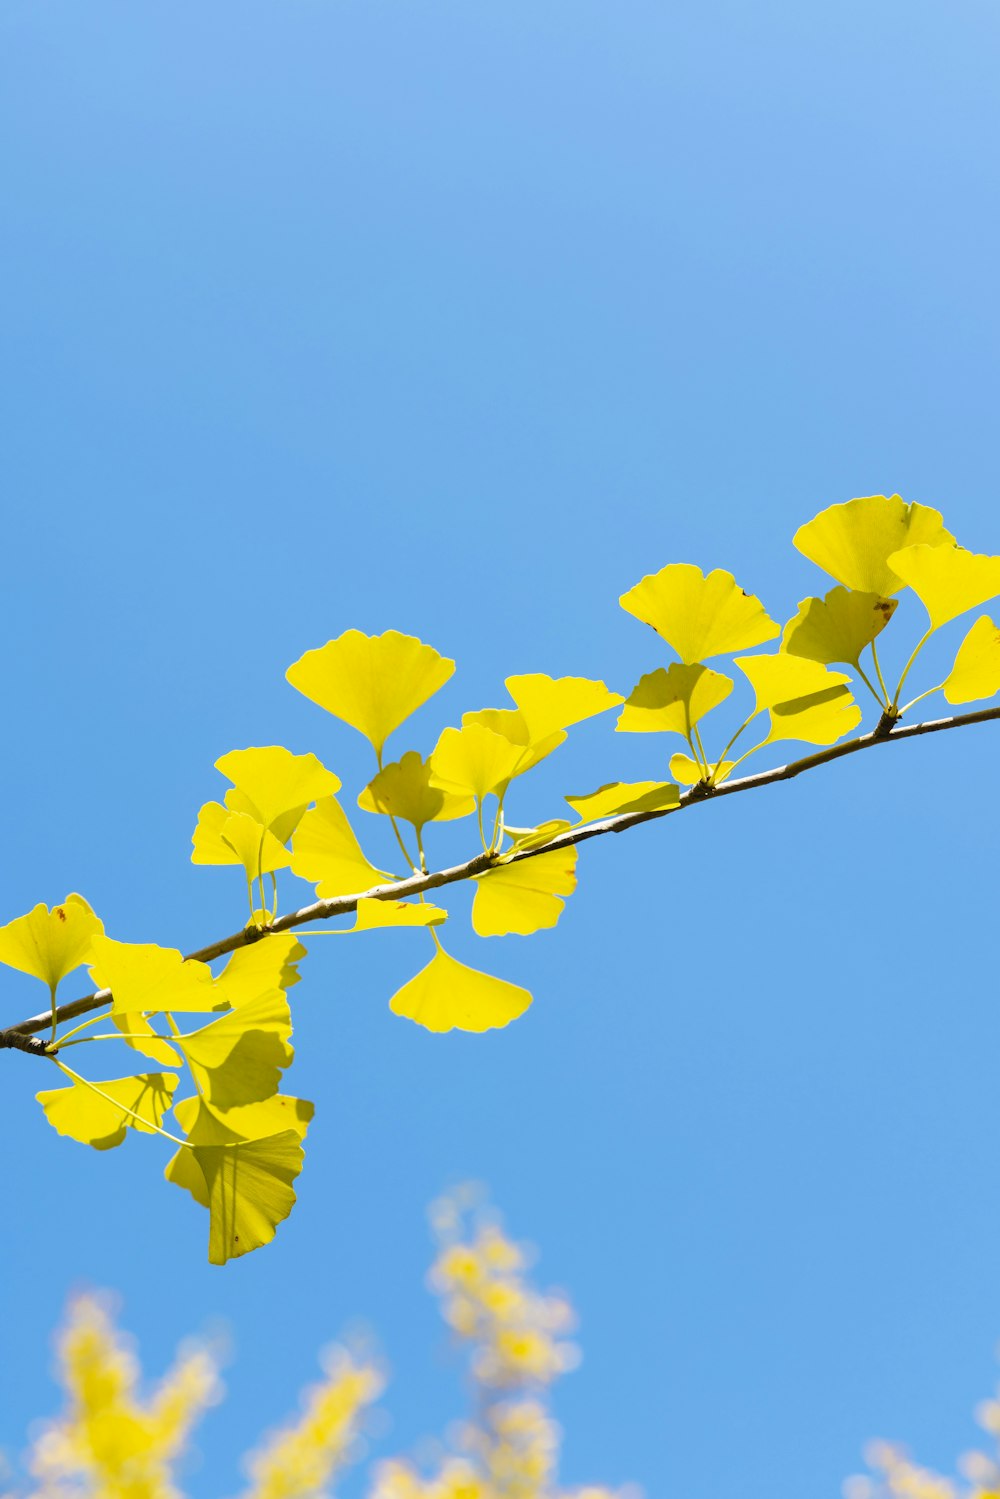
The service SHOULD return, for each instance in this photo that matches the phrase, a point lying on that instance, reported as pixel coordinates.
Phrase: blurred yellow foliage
(111, 1443)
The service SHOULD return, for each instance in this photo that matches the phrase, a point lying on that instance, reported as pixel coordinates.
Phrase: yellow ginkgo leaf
(548, 704)
(270, 963)
(249, 1191)
(976, 673)
(689, 773)
(221, 838)
(372, 682)
(255, 848)
(536, 837)
(620, 797)
(204, 1126)
(699, 615)
(142, 976)
(524, 897)
(49, 944)
(274, 786)
(474, 761)
(819, 718)
(447, 995)
(101, 1113)
(138, 1033)
(325, 851)
(238, 1059)
(671, 700)
(403, 789)
(806, 700)
(947, 580)
(837, 627)
(854, 542)
(512, 725)
(374, 915)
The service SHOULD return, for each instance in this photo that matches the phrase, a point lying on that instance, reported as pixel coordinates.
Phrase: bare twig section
(18, 1036)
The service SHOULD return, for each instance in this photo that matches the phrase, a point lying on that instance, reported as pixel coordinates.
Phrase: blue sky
(458, 319)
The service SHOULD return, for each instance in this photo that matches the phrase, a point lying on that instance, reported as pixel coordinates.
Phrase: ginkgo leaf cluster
(725, 680)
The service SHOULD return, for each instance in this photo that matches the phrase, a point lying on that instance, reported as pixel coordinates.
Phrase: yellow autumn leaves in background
(113, 1442)
(240, 1143)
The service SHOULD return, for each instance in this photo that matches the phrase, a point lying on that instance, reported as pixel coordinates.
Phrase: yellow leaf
(699, 616)
(854, 542)
(255, 848)
(447, 995)
(102, 1121)
(224, 836)
(807, 701)
(142, 976)
(49, 944)
(947, 580)
(403, 789)
(672, 700)
(549, 704)
(270, 963)
(372, 682)
(204, 1126)
(976, 673)
(375, 914)
(837, 627)
(620, 797)
(274, 786)
(524, 897)
(140, 1035)
(249, 1188)
(238, 1059)
(512, 725)
(536, 837)
(326, 851)
(474, 761)
(690, 773)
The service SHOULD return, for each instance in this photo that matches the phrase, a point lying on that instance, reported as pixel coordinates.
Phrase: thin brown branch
(17, 1037)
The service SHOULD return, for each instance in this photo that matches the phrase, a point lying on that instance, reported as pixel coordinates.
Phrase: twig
(17, 1036)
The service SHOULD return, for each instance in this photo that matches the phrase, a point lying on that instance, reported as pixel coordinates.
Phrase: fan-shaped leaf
(403, 789)
(270, 963)
(140, 1035)
(447, 995)
(837, 627)
(524, 897)
(274, 786)
(854, 542)
(372, 682)
(671, 700)
(699, 616)
(620, 797)
(49, 944)
(238, 1059)
(947, 580)
(806, 701)
(326, 851)
(549, 704)
(249, 1188)
(102, 1121)
(205, 1126)
(220, 838)
(142, 976)
(474, 761)
(976, 672)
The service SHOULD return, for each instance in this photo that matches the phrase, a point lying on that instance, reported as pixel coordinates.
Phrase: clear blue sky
(458, 318)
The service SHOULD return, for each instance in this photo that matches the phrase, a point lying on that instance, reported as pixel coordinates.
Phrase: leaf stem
(913, 656)
(881, 678)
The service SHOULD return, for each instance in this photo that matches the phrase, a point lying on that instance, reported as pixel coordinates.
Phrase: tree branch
(19, 1037)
